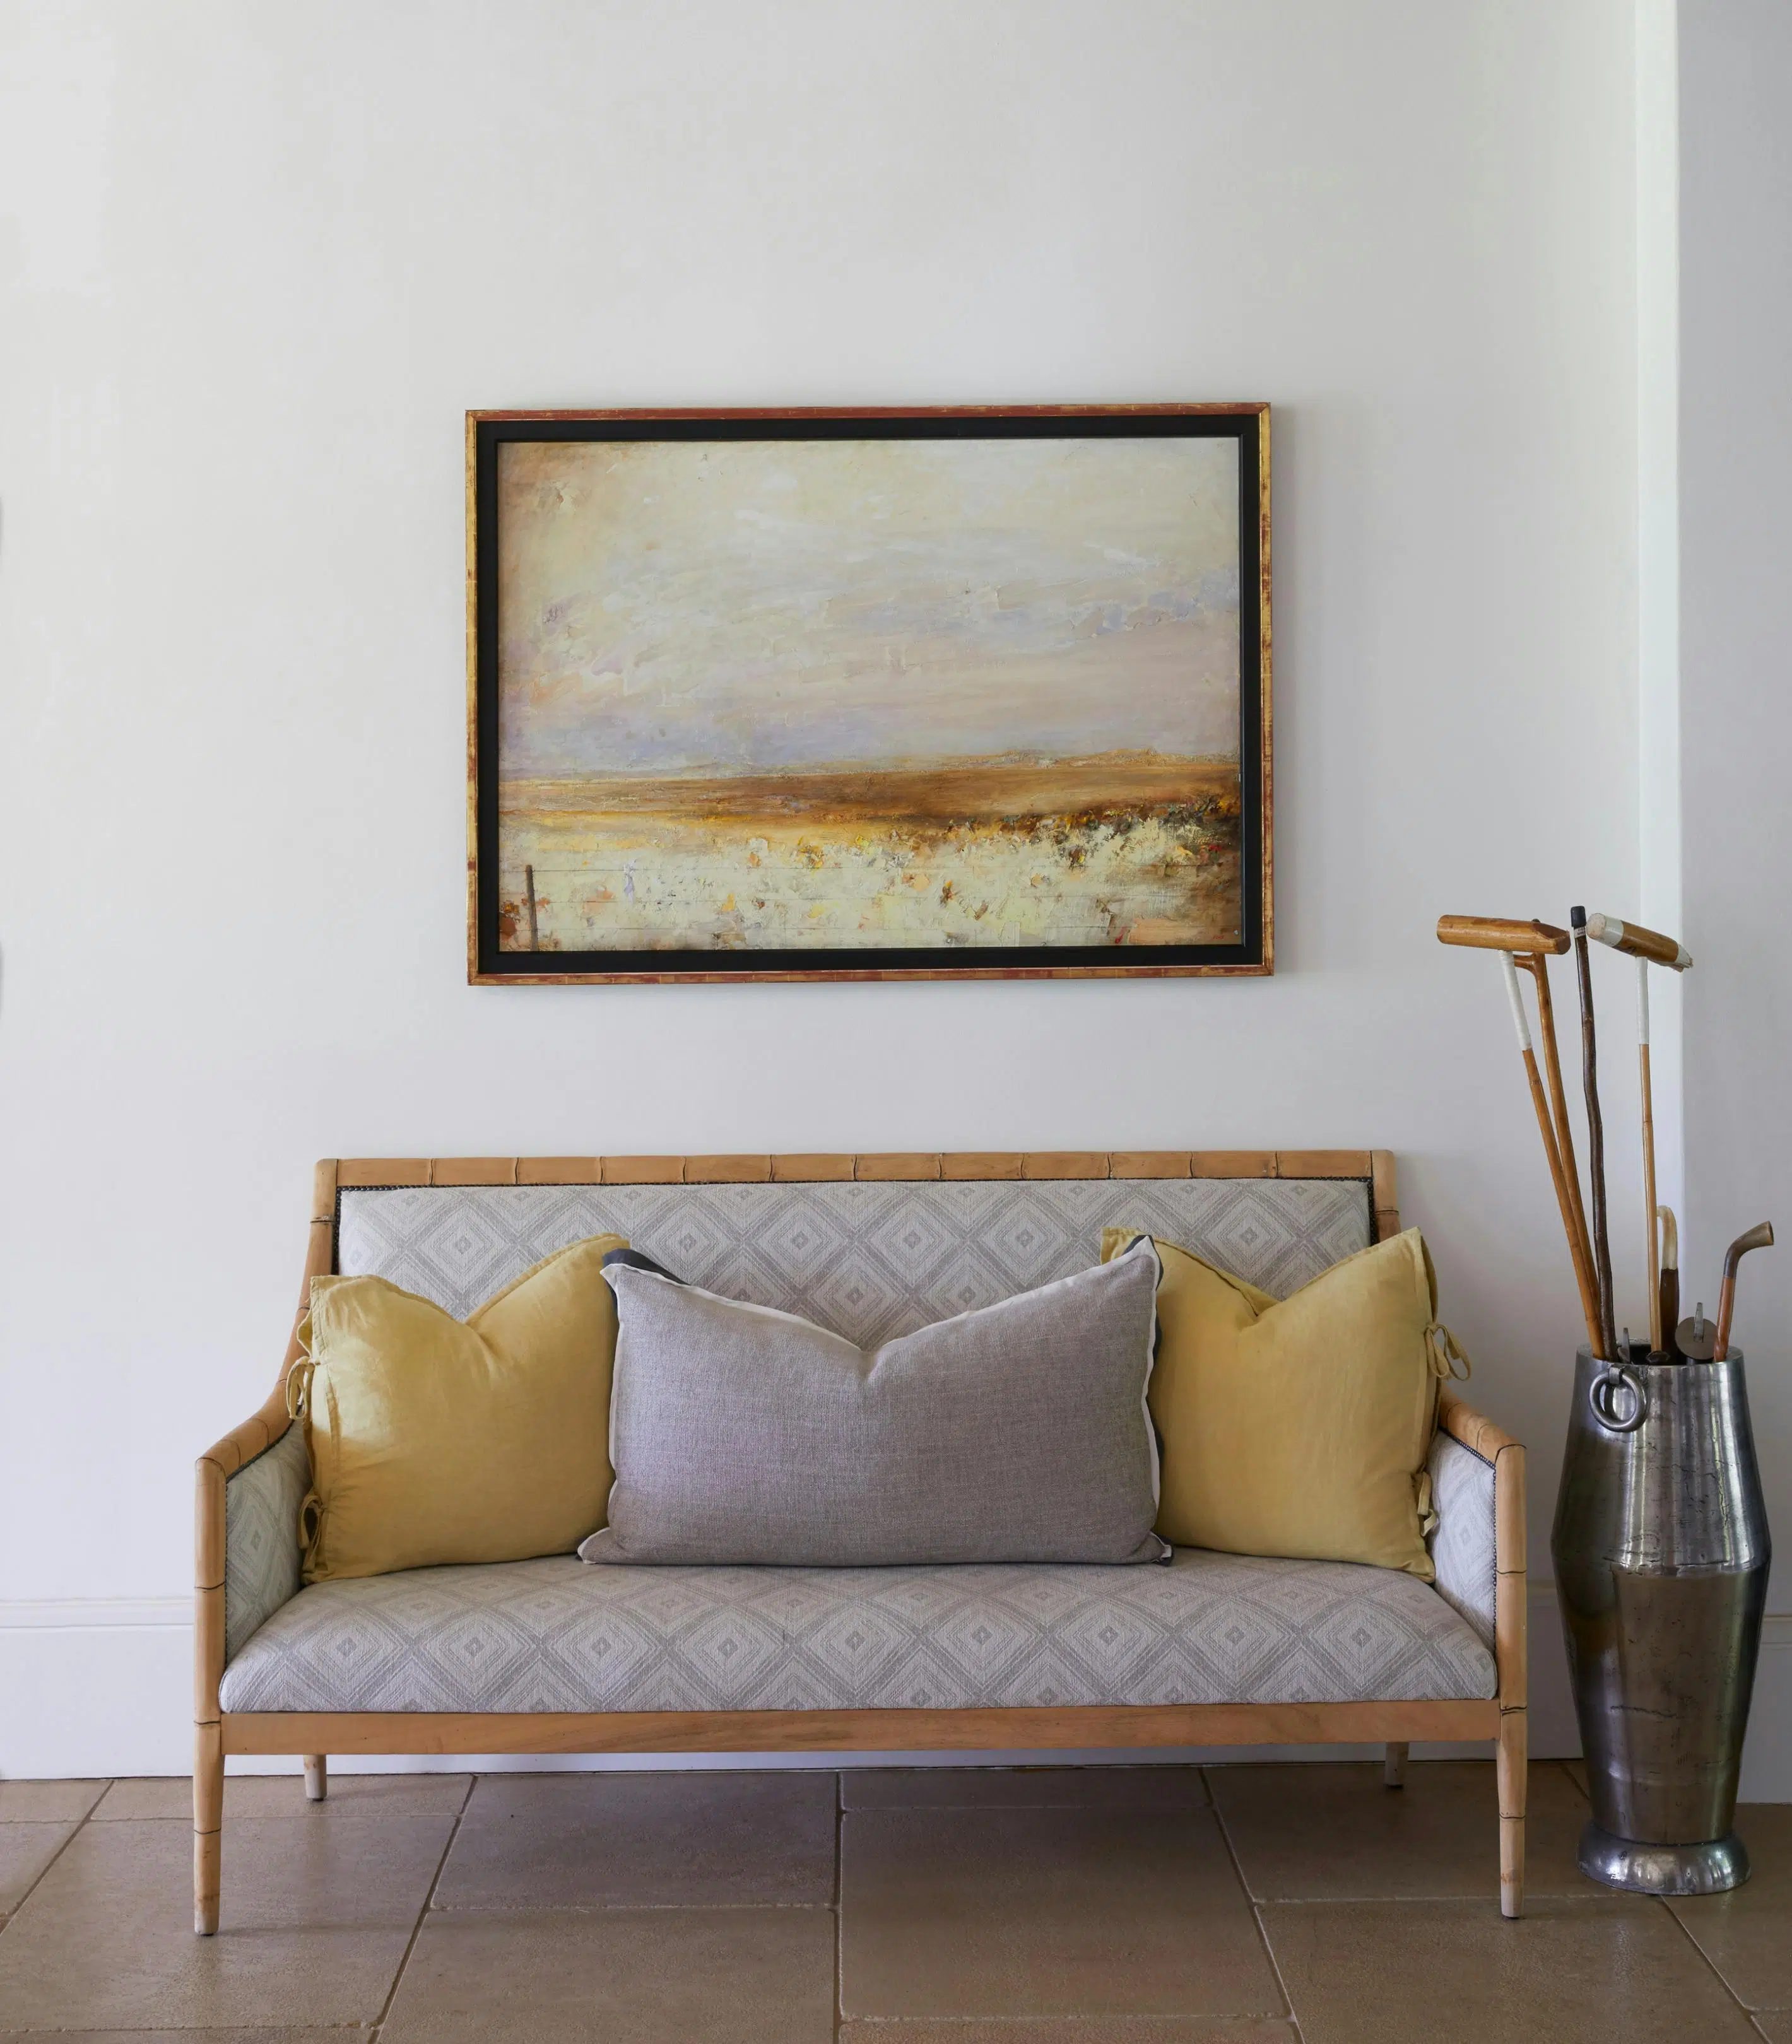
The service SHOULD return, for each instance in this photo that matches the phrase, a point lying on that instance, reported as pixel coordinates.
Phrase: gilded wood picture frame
(868, 694)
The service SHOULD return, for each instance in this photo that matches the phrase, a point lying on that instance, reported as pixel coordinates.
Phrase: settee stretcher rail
(1081, 1726)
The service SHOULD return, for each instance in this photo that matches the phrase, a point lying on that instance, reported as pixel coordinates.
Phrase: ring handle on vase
(1615, 1377)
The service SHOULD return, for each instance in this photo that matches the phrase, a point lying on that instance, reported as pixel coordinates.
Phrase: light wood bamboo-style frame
(312, 1735)
(485, 967)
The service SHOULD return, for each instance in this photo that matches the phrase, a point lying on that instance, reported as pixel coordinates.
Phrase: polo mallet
(1667, 1292)
(1531, 944)
(1648, 947)
(1601, 1240)
(1758, 1237)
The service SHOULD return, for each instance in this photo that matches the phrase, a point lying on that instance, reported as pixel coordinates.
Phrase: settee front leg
(1513, 1771)
(208, 1826)
(1512, 1650)
(317, 1776)
(1510, 1623)
(1393, 1764)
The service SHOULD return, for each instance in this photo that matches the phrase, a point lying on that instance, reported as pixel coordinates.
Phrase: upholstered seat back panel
(869, 1262)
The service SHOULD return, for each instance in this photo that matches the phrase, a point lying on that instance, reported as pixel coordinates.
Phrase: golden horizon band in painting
(788, 695)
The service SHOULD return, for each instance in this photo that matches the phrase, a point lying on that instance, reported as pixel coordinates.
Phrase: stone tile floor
(1160, 1905)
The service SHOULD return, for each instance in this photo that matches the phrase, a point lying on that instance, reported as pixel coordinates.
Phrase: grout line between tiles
(609, 1909)
(378, 2023)
(1251, 1903)
(1711, 1964)
(13, 1916)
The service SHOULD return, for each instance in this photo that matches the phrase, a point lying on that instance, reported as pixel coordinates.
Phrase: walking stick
(1667, 1294)
(1760, 1236)
(1595, 1142)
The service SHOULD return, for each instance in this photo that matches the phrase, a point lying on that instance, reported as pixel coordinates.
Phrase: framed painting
(868, 695)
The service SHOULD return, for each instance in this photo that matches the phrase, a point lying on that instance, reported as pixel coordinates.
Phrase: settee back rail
(311, 1736)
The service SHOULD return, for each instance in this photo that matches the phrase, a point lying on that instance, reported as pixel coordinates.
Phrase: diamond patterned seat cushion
(554, 1635)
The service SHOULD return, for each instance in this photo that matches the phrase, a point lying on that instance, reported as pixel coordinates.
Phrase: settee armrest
(250, 1486)
(1478, 1547)
(249, 1489)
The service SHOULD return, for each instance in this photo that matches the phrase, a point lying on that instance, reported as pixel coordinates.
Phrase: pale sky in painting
(724, 606)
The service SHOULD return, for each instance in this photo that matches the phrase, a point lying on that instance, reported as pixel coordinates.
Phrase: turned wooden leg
(208, 1825)
(1393, 1764)
(1512, 1770)
(317, 1776)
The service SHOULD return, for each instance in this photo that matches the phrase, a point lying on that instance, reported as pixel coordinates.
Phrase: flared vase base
(1706, 1868)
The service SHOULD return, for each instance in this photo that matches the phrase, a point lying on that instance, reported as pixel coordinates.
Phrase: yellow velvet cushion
(435, 1440)
(1301, 1428)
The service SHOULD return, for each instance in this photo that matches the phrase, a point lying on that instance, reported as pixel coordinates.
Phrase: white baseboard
(103, 1686)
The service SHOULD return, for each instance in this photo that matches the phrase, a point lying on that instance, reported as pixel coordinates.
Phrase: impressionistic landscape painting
(857, 695)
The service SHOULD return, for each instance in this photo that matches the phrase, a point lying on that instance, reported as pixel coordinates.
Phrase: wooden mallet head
(1502, 933)
(1634, 941)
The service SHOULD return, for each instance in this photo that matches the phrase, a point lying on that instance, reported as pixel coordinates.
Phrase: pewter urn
(1662, 1550)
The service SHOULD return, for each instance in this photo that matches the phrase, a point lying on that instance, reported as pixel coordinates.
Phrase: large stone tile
(316, 1918)
(565, 1841)
(283, 1796)
(1775, 2024)
(1045, 1913)
(1747, 1934)
(1334, 1833)
(25, 1850)
(1569, 1972)
(1023, 1788)
(619, 1977)
(1081, 2030)
(47, 1802)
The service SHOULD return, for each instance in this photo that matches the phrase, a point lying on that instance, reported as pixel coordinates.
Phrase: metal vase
(1662, 1550)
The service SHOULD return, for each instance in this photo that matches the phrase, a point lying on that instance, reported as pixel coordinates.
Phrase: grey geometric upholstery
(1462, 1547)
(554, 1635)
(261, 1546)
(871, 1262)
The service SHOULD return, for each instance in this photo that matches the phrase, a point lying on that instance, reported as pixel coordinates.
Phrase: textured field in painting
(1124, 848)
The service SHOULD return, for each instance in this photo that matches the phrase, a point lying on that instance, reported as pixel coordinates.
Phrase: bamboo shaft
(1583, 1277)
(1655, 1329)
(1539, 968)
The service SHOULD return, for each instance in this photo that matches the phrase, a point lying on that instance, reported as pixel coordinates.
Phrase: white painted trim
(1776, 1628)
(86, 1614)
(101, 1685)
(63, 1614)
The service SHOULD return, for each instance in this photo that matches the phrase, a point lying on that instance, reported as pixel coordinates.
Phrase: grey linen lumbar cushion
(1017, 1433)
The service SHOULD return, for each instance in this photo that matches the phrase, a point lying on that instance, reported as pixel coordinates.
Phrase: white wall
(1735, 461)
(254, 264)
